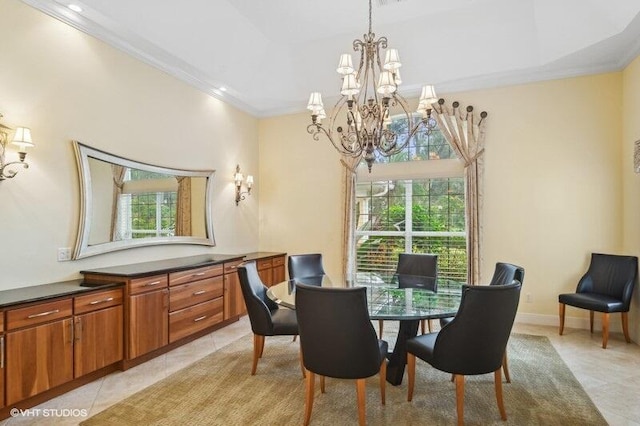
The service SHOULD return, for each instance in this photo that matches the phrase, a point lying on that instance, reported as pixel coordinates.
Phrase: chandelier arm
(315, 130)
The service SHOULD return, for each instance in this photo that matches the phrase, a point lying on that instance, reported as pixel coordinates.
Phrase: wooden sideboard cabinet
(233, 299)
(98, 331)
(39, 348)
(271, 269)
(2, 359)
(147, 328)
(195, 300)
(52, 343)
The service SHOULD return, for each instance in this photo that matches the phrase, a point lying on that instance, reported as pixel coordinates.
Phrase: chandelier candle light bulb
(360, 123)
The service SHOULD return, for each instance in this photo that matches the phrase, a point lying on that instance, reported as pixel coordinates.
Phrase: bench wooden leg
(561, 309)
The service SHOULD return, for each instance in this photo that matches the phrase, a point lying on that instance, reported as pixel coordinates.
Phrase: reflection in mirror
(124, 204)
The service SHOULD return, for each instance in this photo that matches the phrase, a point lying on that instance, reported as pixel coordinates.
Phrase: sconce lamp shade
(22, 138)
(249, 181)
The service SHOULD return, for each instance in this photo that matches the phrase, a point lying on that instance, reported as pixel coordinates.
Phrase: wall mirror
(126, 203)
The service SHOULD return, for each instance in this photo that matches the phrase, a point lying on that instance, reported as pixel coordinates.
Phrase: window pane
(378, 253)
(423, 146)
(435, 206)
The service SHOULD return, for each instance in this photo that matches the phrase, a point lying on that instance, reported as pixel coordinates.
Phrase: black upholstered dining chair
(265, 316)
(305, 265)
(606, 287)
(504, 273)
(338, 340)
(415, 265)
(473, 343)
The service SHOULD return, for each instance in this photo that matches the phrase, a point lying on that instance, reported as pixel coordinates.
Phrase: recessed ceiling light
(75, 8)
(223, 89)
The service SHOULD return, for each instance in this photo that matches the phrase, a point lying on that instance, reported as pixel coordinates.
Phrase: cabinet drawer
(190, 320)
(231, 267)
(95, 301)
(38, 314)
(140, 285)
(264, 264)
(182, 277)
(196, 292)
(277, 261)
(1, 321)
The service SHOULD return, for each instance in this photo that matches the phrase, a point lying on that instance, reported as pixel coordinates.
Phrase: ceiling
(269, 55)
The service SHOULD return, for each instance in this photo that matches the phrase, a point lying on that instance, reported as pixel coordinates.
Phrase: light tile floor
(611, 377)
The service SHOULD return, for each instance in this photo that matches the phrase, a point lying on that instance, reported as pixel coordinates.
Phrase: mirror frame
(83, 249)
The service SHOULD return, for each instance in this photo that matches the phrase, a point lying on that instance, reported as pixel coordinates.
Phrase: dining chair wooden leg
(258, 343)
(383, 380)
(380, 327)
(411, 371)
(605, 329)
(459, 379)
(498, 380)
(591, 321)
(561, 309)
(304, 374)
(361, 392)
(625, 327)
(422, 326)
(505, 367)
(429, 325)
(308, 400)
(295, 337)
(322, 388)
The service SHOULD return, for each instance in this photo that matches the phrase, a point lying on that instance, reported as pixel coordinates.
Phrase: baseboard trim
(570, 322)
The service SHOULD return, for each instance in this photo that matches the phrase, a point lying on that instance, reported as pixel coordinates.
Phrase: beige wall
(552, 185)
(631, 181)
(66, 85)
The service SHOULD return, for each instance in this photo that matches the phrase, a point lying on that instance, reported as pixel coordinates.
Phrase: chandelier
(360, 122)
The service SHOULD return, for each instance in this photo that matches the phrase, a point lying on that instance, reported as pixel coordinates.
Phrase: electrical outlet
(64, 254)
(528, 298)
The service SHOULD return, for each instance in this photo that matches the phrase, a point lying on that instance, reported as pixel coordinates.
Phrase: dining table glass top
(389, 296)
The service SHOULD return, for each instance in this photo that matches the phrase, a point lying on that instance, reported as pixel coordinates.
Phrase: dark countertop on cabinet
(143, 269)
(262, 254)
(42, 292)
(137, 270)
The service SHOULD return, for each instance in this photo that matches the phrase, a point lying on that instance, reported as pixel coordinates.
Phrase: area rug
(219, 390)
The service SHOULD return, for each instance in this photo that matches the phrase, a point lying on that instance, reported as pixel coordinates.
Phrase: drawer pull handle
(233, 267)
(198, 293)
(95, 302)
(152, 283)
(199, 274)
(199, 318)
(43, 314)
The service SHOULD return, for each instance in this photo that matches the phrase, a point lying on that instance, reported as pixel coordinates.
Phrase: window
(420, 214)
(144, 212)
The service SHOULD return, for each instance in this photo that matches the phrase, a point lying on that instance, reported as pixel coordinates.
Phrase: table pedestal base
(398, 358)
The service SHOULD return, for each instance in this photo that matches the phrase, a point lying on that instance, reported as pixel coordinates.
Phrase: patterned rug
(219, 390)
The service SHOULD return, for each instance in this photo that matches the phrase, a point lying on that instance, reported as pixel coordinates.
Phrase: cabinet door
(266, 276)
(2, 369)
(38, 358)
(148, 322)
(278, 274)
(98, 340)
(233, 300)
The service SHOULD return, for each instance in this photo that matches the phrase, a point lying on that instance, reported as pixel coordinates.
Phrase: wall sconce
(22, 138)
(238, 178)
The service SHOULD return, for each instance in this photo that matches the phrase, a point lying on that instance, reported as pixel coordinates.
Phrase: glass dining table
(404, 298)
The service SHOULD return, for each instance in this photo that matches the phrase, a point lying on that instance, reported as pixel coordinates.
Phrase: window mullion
(408, 215)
